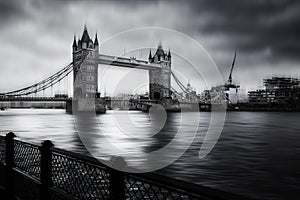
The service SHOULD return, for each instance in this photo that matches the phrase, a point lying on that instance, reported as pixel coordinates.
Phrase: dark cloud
(265, 33)
(254, 26)
(9, 10)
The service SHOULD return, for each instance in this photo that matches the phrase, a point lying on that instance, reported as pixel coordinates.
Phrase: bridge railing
(24, 98)
(32, 171)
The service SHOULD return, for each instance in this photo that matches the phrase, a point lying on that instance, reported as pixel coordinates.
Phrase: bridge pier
(69, 106)
(99, 106)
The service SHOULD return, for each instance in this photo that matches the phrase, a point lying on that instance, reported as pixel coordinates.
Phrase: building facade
(280, 91)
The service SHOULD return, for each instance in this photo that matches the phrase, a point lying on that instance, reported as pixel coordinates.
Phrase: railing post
(117, 184)
(10, 163)
(46, 169)
(117, 178)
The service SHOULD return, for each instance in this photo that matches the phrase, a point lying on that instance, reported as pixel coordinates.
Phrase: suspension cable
(179, 83)
(44, 84)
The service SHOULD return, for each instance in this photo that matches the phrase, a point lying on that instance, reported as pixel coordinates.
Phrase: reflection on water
(258, 154)
(136, 137)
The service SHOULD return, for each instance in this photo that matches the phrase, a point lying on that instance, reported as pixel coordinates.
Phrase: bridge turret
(85, 69)
(160, 80)
(85, 39)
(160, 53)
(150, 56)
(74, 46)
(96, 43)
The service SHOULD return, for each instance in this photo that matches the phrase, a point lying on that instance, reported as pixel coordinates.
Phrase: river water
(257, 154)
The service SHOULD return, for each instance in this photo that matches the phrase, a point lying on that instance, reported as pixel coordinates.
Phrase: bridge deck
(126, 62)
(9, 99)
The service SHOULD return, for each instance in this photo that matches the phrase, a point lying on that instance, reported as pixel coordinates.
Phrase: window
(91, 55)
(90, 88)
(90, 67)
(90, 78)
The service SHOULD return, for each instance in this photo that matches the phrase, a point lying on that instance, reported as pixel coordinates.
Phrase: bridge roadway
(61, 99)
(48, 99)
(127, 62)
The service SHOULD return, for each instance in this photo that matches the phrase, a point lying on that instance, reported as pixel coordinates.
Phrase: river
(257, 154)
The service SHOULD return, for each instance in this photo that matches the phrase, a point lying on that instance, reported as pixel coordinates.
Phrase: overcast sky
(36, 35)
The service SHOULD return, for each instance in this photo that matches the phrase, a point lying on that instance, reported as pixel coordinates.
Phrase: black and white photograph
(149, 99)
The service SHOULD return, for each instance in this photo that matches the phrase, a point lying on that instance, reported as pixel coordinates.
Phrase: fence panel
(80, 178)
(138, 188)
(27, 158)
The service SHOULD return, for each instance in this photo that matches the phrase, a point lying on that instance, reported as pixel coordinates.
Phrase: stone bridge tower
(85, 71)
(160, 80)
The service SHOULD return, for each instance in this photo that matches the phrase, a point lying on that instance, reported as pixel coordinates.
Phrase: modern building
(257, 97)
(284, 91)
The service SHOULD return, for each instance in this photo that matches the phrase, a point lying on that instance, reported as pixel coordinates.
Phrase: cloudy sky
(36, 36)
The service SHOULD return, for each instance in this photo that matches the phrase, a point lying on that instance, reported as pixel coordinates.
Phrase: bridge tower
(85, 71)
(160, 79)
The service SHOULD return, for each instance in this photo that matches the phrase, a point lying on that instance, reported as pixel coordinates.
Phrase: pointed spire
(74, 42)
(96, 40)
(150, 55)
(85, 36)
(160, 52)
(79, 43)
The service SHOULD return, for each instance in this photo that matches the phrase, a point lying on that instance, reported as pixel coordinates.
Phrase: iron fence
(80, 178)
(137, 188)
(57, 174)
(27, 158)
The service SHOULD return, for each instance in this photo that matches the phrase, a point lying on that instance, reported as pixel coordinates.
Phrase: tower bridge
(85, 85)
(84, 66)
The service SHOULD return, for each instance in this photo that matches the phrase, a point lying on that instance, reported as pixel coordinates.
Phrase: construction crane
(229, 82)
(230, 85)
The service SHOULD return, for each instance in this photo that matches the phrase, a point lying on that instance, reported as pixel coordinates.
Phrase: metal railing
(45, 172)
